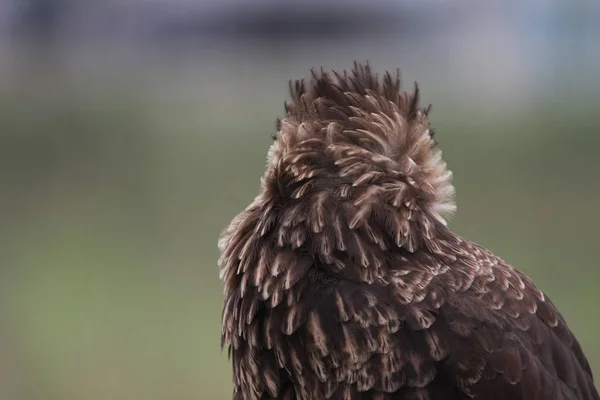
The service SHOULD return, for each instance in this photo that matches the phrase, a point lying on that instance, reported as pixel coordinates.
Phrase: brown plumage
(342, 280)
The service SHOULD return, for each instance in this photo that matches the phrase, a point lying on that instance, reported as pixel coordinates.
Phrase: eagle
(342, 279)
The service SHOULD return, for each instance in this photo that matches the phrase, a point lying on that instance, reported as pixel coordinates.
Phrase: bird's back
(473, 328)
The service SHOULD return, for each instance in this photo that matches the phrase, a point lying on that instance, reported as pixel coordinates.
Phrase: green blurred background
(120, 164)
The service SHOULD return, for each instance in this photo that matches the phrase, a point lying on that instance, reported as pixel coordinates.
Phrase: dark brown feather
(342, 280)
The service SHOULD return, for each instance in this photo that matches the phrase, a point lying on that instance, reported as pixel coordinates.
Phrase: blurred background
(132, 131)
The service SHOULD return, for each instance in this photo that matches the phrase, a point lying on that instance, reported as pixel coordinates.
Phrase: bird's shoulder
(471, 325)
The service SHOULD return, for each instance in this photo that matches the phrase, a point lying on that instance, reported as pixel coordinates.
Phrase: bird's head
(356, 142)
(353, 171)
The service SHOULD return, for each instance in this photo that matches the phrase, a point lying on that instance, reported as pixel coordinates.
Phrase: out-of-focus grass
(112, 205)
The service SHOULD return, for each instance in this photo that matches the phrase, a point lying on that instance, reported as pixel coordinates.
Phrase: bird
(343, 280)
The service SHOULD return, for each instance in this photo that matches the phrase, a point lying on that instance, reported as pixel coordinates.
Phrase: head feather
(351, 131)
